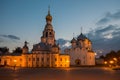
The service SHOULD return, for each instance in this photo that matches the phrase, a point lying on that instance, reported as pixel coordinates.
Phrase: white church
(81, 53)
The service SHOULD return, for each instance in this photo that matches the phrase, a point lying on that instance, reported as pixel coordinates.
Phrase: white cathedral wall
(75, 54)
(87, 58)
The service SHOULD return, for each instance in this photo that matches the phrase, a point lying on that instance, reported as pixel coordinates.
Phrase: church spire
(48, 17)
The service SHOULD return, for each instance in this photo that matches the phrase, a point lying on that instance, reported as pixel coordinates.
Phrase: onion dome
(48, 17)
(81, 37)
(73, 40)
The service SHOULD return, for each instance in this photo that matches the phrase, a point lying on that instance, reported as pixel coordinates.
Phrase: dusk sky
(22, 20)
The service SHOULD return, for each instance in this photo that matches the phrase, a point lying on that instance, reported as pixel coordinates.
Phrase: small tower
(73, 41)
(25, 48)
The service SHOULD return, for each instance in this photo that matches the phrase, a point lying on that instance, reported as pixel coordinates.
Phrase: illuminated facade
(44, 54)
(81, 52)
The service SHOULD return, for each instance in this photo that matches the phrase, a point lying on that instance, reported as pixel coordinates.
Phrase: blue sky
(25, 19)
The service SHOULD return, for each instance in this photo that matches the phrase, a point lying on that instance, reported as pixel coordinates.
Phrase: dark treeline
(5, 50)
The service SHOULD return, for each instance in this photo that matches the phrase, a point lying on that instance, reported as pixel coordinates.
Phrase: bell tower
(48, 36)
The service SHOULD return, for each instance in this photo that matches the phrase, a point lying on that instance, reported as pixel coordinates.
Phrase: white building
(81, 52)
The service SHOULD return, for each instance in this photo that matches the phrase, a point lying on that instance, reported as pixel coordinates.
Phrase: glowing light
(67, 61)
(111, 62)
(95, 53)
(105, 62)
(115, 59)
(15, 60)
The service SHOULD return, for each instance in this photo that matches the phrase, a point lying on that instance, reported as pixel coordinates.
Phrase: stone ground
(59, 74)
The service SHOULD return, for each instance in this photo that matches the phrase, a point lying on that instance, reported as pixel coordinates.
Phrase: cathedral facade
(44, 54)
(81, 53)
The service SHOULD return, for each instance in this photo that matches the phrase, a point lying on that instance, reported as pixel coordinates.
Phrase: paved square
(59, 74)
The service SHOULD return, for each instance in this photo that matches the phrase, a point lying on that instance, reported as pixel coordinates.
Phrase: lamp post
(14, 63)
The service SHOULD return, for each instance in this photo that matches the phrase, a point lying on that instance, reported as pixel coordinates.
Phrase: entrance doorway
(77, 62)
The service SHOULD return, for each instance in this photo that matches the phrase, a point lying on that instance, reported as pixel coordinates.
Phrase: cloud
(108, 36)
(105, 38)
(1, 40)
(62, 41)
(13, 37)
(63, 44)
(109, 17)
(67, 44)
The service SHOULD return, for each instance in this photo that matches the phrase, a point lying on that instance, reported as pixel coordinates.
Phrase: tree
(118, 53)
(4, 50)
(17, 50)
(101, 57)
(111, 55)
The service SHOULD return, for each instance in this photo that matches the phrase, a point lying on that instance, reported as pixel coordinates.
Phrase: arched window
(77, 61)
(50, 33)
(46, 34)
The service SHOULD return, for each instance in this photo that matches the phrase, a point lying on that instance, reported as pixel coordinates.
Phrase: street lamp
(14, 63)
(111, 63)
(105, 62)
(115, 59)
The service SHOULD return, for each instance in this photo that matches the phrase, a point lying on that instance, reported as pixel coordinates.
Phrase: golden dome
(48, 17)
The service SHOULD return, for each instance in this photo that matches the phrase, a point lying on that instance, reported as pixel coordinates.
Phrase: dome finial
(49, 9)
(81, 29)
